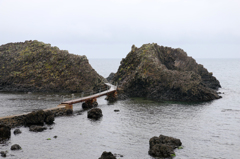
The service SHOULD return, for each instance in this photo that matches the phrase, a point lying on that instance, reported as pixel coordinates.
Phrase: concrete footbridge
(91, 100)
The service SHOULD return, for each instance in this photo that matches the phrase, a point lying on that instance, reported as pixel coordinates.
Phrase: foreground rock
(37, 128)
(107, 155)
(163, 146)
(16, 147)
(164, 73)
(95, 113)
(34, 66)
(5, 132)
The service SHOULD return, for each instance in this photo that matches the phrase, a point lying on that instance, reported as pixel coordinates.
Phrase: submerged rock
(16, 147)
(95, 113)
(5, 132)
(107, 155)
(163, 146)
(164, 73)
(37, 128)
(34, 66)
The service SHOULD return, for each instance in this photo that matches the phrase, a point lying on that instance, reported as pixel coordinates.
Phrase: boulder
(107, 155)
(95, 113)
(35, 118)
(163, 73)
(37, 128)
(3, 153)
(16, 147)
(17, 131)
(163, 146)
(5, 132)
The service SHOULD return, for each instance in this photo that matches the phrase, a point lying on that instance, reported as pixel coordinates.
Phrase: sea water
(208, 130)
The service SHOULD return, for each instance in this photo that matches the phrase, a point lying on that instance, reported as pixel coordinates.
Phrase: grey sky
(108, 28)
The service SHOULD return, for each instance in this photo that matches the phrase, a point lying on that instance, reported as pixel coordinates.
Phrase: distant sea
(208, 130)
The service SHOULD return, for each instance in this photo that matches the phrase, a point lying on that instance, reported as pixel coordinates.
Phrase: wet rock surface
(163, 146)
(5, 132)
(107, 155)
(95, 113)
(164, 73)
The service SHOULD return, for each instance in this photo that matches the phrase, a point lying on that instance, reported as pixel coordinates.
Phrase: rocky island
(163, 73)
(37, 67)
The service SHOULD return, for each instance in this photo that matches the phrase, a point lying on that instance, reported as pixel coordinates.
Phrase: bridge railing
(87, 93)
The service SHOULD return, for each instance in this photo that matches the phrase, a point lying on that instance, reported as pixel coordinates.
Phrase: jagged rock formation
(36, 66)
(164, 73)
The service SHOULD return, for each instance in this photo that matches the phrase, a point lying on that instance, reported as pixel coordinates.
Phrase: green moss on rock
(164, 73)
(36, 66)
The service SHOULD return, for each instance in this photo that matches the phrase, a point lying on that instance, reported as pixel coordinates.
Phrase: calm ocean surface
(209, 130)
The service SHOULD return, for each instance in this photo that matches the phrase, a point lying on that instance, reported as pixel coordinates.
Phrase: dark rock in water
(69, 112)
(49, 119)
(110, 77)
(17, 131)
(16, 147)
(37, 128)
(5, 132)
(95, 113)
(3, 153)
(163, 146)
(55, 137)
(164, 73)
(116, 110)
(35, 118)
(107, 155)
(33, 66)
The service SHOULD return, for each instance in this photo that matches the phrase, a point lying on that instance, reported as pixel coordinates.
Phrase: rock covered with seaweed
(164, 73)
(36, 66)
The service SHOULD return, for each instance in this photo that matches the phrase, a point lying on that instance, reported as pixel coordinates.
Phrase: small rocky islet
(34, 66)
(151, 71)
(163, 73)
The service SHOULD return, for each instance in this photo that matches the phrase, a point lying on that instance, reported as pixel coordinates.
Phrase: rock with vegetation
(164, 73)
(5, 132)
(163, 146)
(34, 66)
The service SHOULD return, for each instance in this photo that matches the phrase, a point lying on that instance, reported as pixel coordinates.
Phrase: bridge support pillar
(90, 103)
(67, 106)
(112, 97)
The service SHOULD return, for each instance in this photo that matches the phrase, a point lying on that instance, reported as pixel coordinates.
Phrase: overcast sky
(108, 28)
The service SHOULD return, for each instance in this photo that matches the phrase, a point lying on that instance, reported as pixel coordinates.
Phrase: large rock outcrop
(164, 73)
(36, 66)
